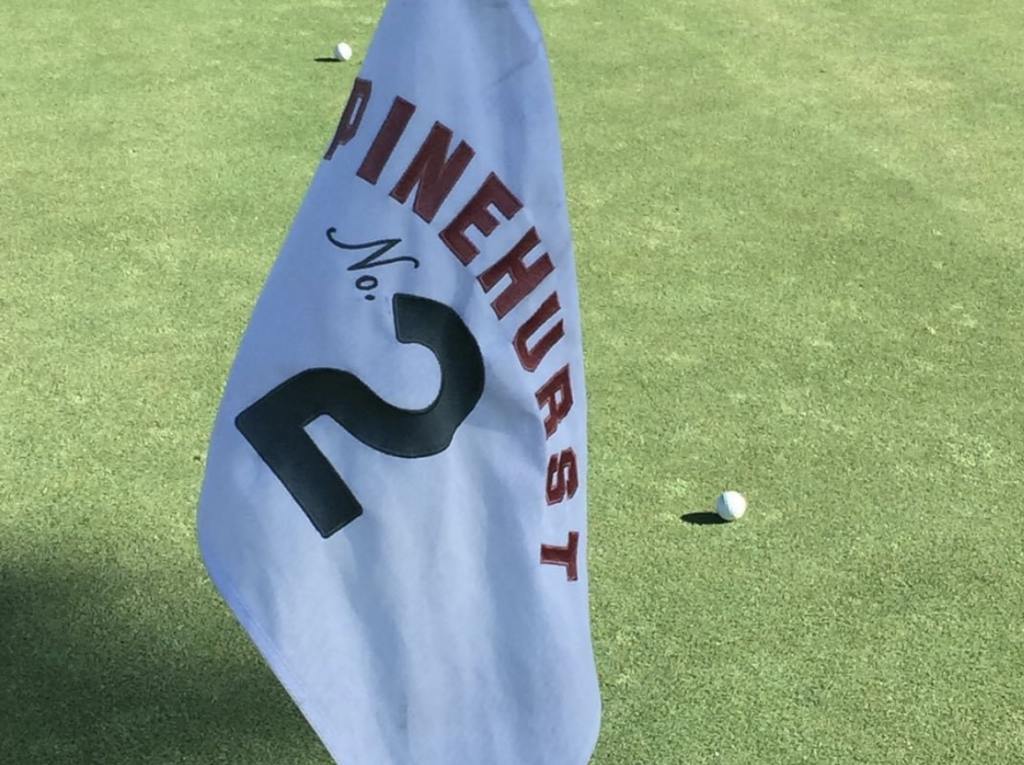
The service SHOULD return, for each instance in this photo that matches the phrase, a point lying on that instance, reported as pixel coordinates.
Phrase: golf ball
(731, 505)
(343, 51)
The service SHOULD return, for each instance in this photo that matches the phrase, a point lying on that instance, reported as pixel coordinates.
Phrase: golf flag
(394, 504)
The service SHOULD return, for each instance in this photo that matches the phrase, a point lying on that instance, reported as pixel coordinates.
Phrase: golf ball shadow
(702, 519)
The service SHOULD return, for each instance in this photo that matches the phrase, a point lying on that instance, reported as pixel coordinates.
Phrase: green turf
(798, 230)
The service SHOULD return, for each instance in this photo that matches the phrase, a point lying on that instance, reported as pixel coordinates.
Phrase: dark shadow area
(98, 665)
(702, 519)
(327, 60)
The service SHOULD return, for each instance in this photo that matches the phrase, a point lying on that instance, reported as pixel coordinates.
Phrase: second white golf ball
(731, 505)
(343, 51)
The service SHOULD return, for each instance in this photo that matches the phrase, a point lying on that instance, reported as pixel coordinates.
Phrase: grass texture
(798, 233)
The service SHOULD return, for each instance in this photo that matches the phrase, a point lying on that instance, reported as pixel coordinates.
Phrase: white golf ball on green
(343, 51)
(731, 505)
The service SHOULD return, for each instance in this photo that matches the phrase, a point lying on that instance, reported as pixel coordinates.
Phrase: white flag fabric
(394, 504)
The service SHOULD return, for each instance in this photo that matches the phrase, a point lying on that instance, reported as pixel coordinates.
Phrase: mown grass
(798, 241)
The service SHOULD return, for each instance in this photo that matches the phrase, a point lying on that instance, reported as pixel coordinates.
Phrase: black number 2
(274, 425)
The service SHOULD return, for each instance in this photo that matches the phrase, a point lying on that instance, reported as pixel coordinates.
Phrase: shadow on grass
(327, 60)
(702, 519)
(97, 665)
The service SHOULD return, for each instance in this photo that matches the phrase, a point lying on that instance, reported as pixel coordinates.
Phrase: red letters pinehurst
(433, 173)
